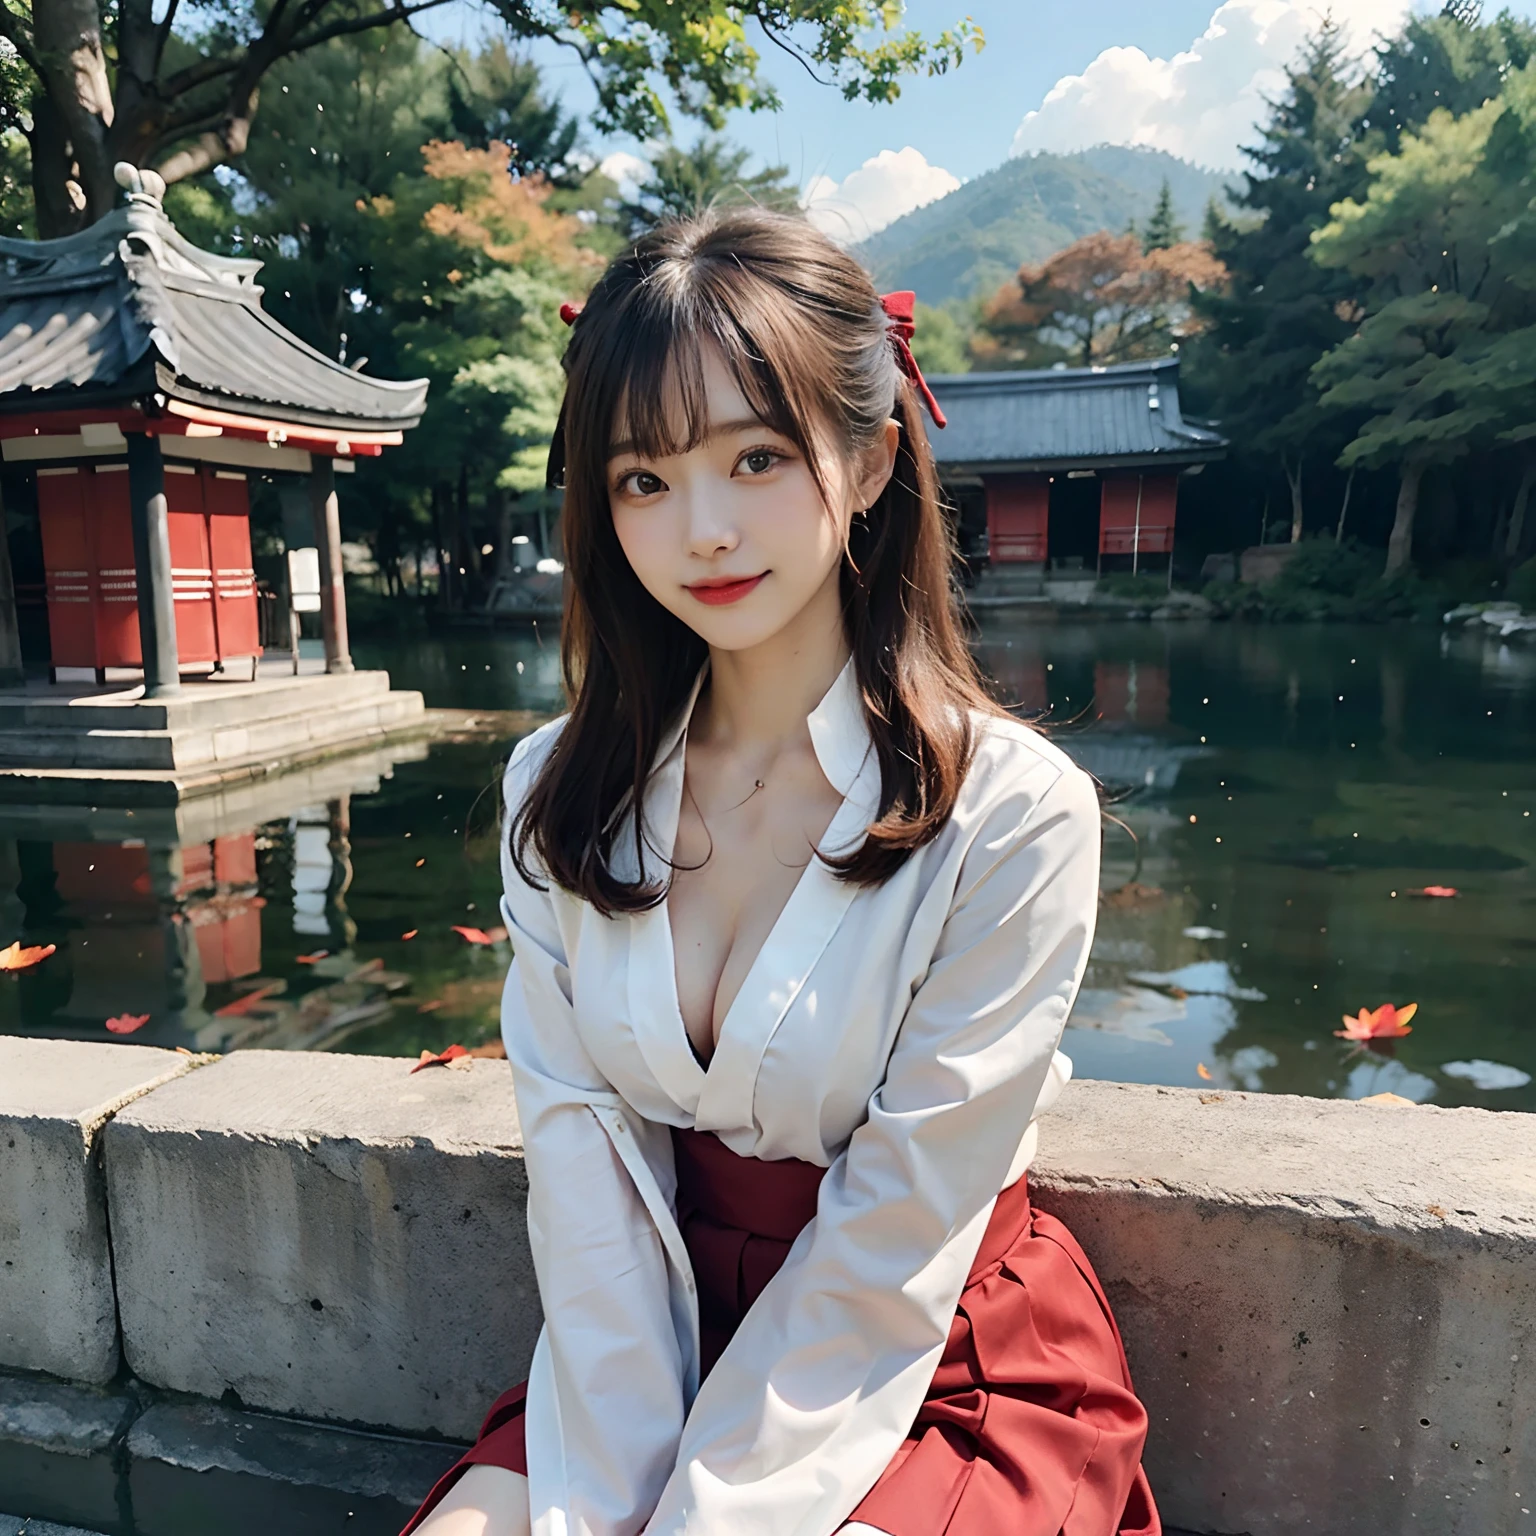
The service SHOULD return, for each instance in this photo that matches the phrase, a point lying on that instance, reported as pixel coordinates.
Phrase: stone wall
(1328, 1306)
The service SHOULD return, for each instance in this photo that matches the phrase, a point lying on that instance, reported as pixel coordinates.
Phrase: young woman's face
(733, 536)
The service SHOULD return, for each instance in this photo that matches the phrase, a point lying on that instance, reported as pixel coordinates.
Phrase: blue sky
(1184, 75)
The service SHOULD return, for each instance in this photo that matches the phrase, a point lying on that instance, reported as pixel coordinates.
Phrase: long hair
(802, 331)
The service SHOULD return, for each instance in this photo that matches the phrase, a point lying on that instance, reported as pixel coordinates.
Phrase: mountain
(976, 237)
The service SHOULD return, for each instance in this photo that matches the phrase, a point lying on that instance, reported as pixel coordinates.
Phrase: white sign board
(304, 579)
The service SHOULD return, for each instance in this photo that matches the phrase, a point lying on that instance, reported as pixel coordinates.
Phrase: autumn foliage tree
(1104, 299)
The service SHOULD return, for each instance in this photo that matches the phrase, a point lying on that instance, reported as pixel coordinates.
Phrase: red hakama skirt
(1030, 1427)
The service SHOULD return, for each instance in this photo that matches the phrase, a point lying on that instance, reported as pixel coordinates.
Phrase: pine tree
(1279, 313)
(1163, 229)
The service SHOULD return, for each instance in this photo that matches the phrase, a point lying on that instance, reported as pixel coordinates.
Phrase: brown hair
(802, 331)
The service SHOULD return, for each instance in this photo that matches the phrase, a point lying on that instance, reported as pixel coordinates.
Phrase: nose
(711, 531)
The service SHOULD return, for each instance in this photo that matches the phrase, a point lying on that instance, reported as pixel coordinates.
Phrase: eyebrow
(722, 429)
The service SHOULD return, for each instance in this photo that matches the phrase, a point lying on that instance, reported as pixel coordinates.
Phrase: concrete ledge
(56, 1298)
(1328, 1306)
(329, 1236)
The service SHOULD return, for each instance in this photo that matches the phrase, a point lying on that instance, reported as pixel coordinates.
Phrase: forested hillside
(968, 243)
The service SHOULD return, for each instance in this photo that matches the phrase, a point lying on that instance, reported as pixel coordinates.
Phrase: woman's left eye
(758, 461)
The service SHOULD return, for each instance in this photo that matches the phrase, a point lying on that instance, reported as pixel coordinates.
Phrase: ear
(877, 464)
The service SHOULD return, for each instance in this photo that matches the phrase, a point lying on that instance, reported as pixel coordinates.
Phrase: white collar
(839, 730)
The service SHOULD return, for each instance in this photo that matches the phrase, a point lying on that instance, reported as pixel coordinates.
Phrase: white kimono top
(903, 1037)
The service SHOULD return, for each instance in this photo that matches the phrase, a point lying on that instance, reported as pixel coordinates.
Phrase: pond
(1277, 795)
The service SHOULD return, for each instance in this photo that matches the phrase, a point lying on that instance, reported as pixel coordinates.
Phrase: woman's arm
(825, 1376)
(605, 1397)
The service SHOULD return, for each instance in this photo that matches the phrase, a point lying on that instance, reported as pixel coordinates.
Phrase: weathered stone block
(198, 1467)
(327, 1235)
(1329, 1307)
(56, 1451)
(56, 1305)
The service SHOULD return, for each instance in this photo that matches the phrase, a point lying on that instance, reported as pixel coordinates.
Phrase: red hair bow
(898, 307)
(569, 312)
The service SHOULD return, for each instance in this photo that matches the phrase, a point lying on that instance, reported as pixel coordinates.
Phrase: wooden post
(11, 675)
(152, 566)
(333, 594)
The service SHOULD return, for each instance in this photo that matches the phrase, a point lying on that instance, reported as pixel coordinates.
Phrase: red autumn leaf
(1442, 891)
(441, 1060)
(1384, 1023)
(411, 935)
(1203, 1070)
(126, 1023)
(247, 1002)
(480, 936)
(314, 958)
(431, 1005)
(19, 957)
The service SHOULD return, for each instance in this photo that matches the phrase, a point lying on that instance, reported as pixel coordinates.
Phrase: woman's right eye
(641, 482)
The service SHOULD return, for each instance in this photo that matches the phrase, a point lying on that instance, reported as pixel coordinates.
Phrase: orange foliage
(487, 211)
(1101, 300)
(1384, 1023)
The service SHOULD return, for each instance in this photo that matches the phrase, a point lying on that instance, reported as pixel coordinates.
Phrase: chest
(736, 865)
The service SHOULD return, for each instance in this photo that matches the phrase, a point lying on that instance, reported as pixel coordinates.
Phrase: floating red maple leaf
(126, 1023)
(313, 958)
(19, 957)
(247, 1002)
(442, 1059)
(1442, 891)
(1384, 1023)
(480, 936)
(411, 935)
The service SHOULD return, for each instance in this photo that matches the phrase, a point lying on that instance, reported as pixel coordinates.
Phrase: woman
(798, 917)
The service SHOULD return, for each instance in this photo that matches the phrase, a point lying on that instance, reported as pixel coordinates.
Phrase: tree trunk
(1400, 545)
(1516, 535)
(1294, 481)
(1349, 485)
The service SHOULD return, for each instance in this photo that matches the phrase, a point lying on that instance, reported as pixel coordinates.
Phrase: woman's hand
(486, 1501)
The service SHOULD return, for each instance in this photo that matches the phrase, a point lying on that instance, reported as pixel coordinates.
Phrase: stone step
(314, 723)
(204, 705)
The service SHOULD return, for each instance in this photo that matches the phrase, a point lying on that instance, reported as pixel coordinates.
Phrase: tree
(1444, 287)
(711, 174)
(1101, 300)
(1163, 228)
(110, 80)
(1280, 312)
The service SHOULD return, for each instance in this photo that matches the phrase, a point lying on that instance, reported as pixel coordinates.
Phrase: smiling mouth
(718, 593)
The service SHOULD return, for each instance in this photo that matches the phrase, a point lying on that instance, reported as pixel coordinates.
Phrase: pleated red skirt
(1031, 1426)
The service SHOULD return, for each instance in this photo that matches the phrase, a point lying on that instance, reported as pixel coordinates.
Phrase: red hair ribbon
(569, 312)
(898, 307)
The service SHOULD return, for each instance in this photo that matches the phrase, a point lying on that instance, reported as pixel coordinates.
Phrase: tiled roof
(127, 307)
(1127, 414)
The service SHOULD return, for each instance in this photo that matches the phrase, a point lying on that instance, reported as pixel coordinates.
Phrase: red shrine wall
(87, 536)
(1136, 515)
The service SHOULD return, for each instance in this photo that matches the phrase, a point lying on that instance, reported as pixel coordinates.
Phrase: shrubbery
(1122, 586)
(1324, 580)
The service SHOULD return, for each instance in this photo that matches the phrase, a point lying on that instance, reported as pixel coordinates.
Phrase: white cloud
(879, 192)
(628, 170)
(1201, 104)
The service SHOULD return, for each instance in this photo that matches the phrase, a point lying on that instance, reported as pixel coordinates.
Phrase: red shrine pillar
(333, 593)
(152, 566)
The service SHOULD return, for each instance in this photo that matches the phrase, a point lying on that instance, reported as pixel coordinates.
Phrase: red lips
(718, 593)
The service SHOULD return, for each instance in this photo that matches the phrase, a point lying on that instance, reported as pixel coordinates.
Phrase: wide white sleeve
(824, 1378)
(605, 1396)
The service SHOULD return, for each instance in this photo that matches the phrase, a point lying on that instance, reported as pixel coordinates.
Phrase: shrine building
(142, 386)
(1066, 470)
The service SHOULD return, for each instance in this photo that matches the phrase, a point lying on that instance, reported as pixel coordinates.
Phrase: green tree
(110, 80)
(1279, 312)
(1436, 249)
(1452, 62)
(1163, 228)
(712, 173)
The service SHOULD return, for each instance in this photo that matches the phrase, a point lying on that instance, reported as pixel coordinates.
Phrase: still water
(1277, 792)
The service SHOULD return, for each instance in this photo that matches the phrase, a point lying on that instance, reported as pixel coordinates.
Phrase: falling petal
(127, 1023)
(442, 1059)
(19, 957)
(1204, 1070)
(411, 935)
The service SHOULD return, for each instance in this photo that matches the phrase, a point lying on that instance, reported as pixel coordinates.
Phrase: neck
(759, 698)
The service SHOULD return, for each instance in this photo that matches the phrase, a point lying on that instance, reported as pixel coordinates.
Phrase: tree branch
(789, 48)
(361, 24)
(13, 30)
